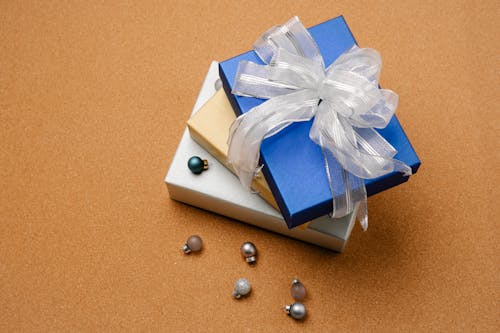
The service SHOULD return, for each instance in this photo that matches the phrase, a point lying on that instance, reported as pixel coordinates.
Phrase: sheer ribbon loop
(344, 99)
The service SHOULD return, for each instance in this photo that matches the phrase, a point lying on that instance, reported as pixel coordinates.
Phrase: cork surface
(94, 98)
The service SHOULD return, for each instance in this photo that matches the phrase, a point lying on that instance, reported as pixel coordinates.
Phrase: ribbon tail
(358, 195)
(347, 189)
(362, 214)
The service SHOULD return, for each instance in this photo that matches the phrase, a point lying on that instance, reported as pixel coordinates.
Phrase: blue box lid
(293, 164)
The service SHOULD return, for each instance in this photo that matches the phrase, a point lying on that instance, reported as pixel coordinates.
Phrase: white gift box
(219, 191)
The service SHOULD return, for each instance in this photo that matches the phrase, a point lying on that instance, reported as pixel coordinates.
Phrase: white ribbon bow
(344, 99)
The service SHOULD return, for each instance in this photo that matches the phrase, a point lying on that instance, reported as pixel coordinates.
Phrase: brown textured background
(94, 97)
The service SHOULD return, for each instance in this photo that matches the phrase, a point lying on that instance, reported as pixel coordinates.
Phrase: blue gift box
(293, 164)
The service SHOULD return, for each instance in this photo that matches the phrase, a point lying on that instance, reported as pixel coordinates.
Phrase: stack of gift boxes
(291, 195)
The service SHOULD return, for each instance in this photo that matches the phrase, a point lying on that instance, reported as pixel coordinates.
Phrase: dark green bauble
(196, 165)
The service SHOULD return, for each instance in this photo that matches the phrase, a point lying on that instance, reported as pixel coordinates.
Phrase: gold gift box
(209, 127)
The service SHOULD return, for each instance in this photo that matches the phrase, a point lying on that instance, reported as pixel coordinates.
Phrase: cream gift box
(209, 127)
(218, 190)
